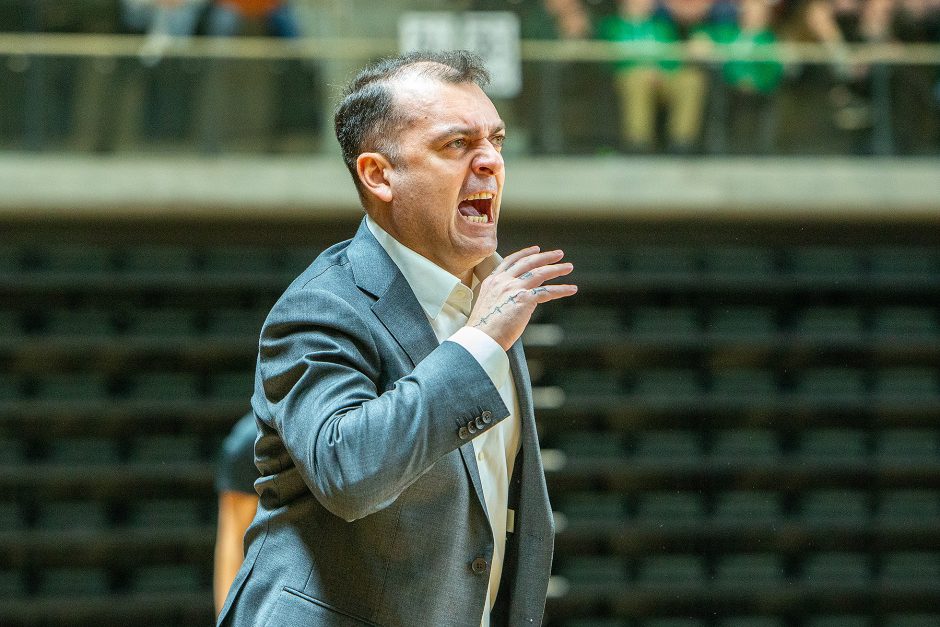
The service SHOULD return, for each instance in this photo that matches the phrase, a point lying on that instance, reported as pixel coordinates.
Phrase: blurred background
(740, 412)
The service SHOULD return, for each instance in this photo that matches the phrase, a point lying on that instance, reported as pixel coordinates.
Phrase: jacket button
(487, 416)
(471, 427)
(479, 423)
(463, 433)
(478, 566)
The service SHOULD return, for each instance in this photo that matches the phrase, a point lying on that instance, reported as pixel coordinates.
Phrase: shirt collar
(431, 284)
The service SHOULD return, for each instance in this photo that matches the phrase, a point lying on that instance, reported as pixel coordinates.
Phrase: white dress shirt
(447, 303)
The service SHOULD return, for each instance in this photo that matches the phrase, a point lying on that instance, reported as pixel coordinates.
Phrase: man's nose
(488, 161)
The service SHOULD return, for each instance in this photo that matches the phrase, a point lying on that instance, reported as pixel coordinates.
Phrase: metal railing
(565, 115)
(365, 48)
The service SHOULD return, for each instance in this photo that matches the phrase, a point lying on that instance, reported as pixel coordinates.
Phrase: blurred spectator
(231, 116)
(746, 97)
(860, 96)
(701, 23)
(645, 83)
(275, 18)
(571, 18)
(915, 89)
(238, 501)
(117, 99)
(51, 84)
(114, 106)
(16, 16)
(646, 80)
(161, 21)
(544, 82)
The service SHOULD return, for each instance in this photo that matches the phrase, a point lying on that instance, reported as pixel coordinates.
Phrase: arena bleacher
(738, 429)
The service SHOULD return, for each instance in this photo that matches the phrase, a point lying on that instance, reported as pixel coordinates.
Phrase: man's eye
(498, 140)
(458, 143)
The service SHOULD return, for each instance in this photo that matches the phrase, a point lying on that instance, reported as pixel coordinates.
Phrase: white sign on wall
(494, 35)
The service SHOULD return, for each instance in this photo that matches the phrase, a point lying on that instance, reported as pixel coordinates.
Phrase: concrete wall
(33, 186)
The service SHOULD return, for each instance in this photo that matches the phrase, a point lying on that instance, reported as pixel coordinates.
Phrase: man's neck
(466, 278)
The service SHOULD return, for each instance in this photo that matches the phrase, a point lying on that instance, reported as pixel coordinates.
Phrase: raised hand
(510, 294)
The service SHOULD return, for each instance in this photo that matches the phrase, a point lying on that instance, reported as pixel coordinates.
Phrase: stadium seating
(741, 433)
(839, 621)
(742, 323)
(749, 508)
(752, 569)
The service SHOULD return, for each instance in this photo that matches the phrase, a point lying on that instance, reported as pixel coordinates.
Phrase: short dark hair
(367, 115)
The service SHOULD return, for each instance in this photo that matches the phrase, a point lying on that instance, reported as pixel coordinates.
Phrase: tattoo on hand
(540, 290)
(527, 275)
(499, 308)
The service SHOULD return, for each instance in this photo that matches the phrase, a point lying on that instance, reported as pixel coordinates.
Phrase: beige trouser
(642, 89)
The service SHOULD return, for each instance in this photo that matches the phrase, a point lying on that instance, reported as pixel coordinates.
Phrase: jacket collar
(431, 283)
(396, 305)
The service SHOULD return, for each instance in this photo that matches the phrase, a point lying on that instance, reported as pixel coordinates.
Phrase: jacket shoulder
(330, 265)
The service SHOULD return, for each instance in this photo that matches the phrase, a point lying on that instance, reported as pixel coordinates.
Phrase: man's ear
(371, 167)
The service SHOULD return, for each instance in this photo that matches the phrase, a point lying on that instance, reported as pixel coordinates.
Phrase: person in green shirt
(751, 78)
(646, 80)
(753, 35)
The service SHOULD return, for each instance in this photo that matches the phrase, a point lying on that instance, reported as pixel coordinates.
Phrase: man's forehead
(441, 104)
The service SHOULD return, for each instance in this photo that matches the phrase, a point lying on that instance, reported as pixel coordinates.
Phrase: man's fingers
(530, 262)
(514, 257)
(545, 293)
(537, 276)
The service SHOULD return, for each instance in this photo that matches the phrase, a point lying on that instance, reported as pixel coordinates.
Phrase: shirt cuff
(488, 353)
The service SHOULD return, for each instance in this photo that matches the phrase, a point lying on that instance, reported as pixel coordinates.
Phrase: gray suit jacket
(371, 508)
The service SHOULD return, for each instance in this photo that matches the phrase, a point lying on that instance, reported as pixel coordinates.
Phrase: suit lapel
(396, 305)
(402, 315)
(520, 376)
(529, 480)
(400, 312)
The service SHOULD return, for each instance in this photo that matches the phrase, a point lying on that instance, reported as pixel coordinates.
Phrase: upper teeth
(480, 196)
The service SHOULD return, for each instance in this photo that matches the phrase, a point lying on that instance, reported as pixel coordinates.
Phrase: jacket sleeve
(358, 447)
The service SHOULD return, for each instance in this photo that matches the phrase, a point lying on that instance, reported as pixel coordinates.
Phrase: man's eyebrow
(452, 131)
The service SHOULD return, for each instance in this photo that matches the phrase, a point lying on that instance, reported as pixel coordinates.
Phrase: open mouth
(477, 208)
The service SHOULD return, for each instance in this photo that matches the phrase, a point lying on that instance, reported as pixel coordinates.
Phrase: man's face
(638, 8)
(447, 180)
(690, 11)
(755, 14)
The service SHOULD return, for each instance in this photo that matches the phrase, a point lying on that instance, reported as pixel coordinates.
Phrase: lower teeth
(480, 219)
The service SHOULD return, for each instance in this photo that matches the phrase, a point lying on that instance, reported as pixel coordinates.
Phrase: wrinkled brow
(467, 131)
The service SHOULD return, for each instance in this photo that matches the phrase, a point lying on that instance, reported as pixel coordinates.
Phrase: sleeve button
(487, 416)
(463, 433)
